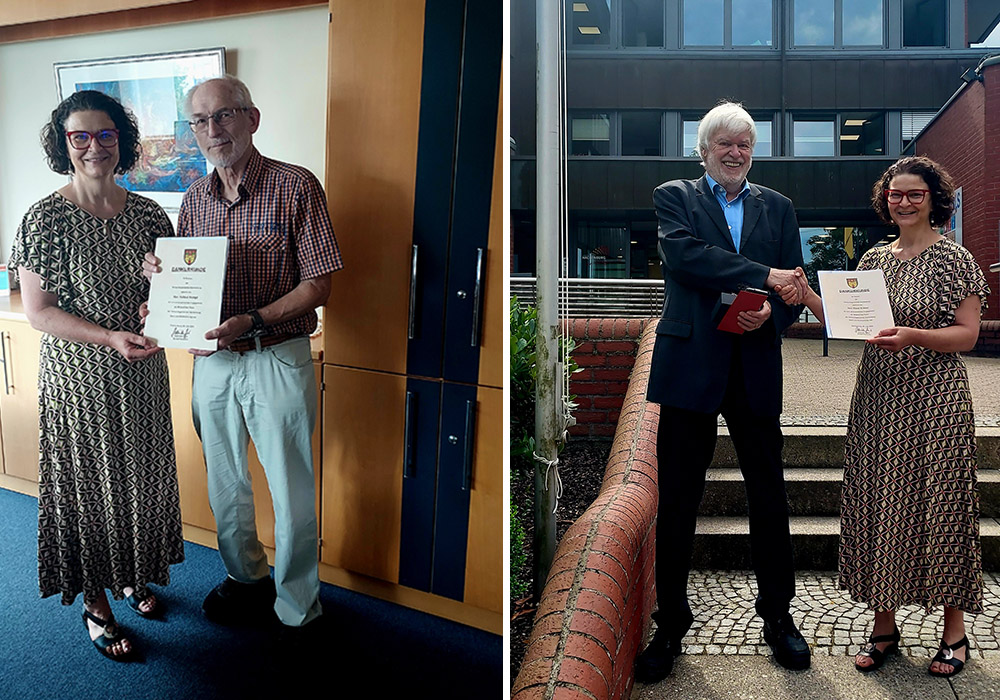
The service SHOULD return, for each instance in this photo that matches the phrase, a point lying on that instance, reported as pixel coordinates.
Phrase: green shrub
(523, 376)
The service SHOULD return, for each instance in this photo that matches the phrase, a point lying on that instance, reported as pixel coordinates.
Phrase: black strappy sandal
(136, 600)
(108, 638)
(946, 656)
(872, 652)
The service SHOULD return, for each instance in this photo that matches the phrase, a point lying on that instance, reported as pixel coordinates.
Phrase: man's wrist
(256, 322)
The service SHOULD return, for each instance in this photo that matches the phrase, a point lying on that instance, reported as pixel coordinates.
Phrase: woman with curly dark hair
(108, 506)
(910, 507)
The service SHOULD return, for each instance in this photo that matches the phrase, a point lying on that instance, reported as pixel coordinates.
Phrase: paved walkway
(724, 656)
(817, 389)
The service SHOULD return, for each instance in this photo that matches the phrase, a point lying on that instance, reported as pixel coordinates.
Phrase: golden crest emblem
(852, 282)
(189, 255)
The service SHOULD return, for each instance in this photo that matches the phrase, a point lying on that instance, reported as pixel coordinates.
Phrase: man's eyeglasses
(914, 196)
(221, 117)
(726, 145)
(80, 140)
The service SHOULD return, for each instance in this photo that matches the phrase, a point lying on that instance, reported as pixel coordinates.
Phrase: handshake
(791, 285)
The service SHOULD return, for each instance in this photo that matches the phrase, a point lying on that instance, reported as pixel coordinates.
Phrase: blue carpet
(365, 647)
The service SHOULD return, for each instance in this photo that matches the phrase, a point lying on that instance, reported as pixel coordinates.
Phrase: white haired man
(718, 234)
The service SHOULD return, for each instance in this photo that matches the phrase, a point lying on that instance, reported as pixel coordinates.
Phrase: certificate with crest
(855, 304)
(185, 299)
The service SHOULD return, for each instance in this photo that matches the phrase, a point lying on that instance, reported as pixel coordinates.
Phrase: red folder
(730, 305)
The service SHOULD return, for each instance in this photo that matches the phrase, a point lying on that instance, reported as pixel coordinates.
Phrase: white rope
(552, 465)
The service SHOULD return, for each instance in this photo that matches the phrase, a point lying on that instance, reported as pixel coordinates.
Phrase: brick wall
(965, 140)
(593, 615)
(605, 351)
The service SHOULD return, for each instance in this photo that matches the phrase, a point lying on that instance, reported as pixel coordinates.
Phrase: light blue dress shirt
(733, 210)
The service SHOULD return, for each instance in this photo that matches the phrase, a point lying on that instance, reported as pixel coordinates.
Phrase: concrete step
(723, 542)
(823, 446)
(814, 491)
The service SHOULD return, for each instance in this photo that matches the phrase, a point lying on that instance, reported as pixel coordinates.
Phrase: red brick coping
(594, 612)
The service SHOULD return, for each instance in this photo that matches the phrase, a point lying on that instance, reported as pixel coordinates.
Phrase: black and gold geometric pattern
(910, 508)
(108, 505)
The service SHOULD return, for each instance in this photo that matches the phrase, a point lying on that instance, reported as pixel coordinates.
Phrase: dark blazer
(691, 358)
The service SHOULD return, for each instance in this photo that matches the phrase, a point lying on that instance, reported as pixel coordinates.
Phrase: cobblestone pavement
(833, 625)
(817, 389)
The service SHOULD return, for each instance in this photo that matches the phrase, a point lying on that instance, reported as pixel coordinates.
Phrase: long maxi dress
(108, 504)
(910, 508)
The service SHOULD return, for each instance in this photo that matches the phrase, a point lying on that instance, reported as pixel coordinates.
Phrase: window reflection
(590, 135)
(813, 137)
(814, 22)
(752, 24)
(703, 23)
(862, 22)
(689, 145)
(763, 147)
(642, 22)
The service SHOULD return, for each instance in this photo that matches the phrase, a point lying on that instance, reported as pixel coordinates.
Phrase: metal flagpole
(547, 209)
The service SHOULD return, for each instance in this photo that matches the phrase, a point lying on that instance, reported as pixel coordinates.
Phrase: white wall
(281, 56)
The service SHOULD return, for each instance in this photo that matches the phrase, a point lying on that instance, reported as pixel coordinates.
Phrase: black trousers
(685, 446)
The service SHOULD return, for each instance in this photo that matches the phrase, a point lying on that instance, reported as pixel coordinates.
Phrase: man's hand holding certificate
(855, 304)
(185, 299)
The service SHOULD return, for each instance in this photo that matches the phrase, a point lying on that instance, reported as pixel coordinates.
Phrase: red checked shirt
(279, 234)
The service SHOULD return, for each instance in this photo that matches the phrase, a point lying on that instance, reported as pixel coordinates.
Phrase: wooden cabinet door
(484, 561)
(363, 423)
(372, 118)
(19, 399)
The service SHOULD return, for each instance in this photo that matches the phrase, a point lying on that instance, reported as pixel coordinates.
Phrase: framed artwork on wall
(152, 86)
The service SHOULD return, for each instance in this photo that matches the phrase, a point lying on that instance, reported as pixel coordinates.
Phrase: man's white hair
(726, 116)
(237, 88)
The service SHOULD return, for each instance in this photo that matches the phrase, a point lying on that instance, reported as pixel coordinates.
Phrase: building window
(752, 22)
(728, 23)
(764, 137)
(813, 136)
(703, 23)
(642, 22)
(689, 140)
(590, 134)
(589, 22)
(814, 21)
(912, 124)
(838, 23)
(763, 148)
(640, 133)
(862, 22)
(924, 22)
(862, 134)
(845, 134)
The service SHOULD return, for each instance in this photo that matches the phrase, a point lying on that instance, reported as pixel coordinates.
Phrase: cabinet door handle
(411, 332)
(470, 442)
(3, 347)
(409, 436)
(477, 297)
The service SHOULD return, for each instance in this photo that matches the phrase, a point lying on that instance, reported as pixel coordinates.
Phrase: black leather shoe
(657, 660)
(235, 603)
(789, 648)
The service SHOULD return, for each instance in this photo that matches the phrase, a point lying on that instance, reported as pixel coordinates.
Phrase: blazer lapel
(751, 213)
(710, 205)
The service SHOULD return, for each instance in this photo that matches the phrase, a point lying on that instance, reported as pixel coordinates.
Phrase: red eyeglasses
(914, 196)
(80, 140)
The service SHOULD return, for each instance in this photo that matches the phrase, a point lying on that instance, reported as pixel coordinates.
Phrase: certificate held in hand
(855, 304)
(727, 311)
(185, 298)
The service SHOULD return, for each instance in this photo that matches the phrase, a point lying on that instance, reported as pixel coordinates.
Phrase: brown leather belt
(248, 344)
